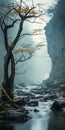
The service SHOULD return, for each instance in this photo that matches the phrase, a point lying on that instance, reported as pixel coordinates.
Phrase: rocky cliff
(55, 34)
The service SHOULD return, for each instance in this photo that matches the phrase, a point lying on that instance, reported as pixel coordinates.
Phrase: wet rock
(56, 106)
(51, 97)
(63, 94)
(62, 104)
(19, 92)
(33, 103)
(48, 97)
(15, 116)
(36, 110)
(30, 96)
(2, 113)
(22, 102)
(38, 97)
(63, 87)
(37, 91)
(22, 84)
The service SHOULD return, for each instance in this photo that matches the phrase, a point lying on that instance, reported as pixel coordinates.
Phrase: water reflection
(37, 124)
(57, 121)
(6, 126)
(54, 121)
(40, 124)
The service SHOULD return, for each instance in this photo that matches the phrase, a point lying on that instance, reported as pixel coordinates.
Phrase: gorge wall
(55, 34)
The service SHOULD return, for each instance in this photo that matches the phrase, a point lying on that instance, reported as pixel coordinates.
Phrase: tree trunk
(8, 83)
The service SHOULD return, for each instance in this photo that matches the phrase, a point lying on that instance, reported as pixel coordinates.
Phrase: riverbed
(43, 118)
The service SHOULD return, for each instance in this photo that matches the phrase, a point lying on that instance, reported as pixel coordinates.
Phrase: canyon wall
(55, 35)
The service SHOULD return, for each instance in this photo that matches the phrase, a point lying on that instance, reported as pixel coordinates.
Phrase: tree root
(7, 96)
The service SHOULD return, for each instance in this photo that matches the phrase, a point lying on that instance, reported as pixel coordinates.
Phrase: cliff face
(55, 34)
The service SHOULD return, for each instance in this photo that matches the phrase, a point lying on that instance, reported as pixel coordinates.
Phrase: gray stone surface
(55, 34)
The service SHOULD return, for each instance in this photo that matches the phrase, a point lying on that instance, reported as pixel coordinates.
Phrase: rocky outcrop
(55, 34)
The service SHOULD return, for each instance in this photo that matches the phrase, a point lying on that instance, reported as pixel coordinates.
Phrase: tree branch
(17, 36)
(22, 60)
(11, 25)
(29, 11)
(6, 38)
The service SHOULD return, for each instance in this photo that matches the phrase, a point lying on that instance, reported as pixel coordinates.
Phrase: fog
(38, 67)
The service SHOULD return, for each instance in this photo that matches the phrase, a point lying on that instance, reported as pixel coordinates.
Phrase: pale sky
(39, 67)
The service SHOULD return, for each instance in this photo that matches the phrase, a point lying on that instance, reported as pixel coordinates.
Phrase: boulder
(36, 110)
(15, 116)
(22, 84)
(48, 97)
(21, 102)
(56, 106)
(33, 103)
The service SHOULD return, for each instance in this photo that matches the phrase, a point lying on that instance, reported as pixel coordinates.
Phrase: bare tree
(16, 14)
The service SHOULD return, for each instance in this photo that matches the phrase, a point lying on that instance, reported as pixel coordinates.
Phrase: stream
(44, 119)
(39, 119)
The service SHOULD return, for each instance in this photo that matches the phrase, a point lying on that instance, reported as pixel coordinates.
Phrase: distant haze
(38, 67)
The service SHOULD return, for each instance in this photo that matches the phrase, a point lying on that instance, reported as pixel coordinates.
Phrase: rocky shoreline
(18, 112)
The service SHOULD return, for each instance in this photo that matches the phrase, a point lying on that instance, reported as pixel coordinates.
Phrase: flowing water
(39, 119)
(39, 70)
(42, 120)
